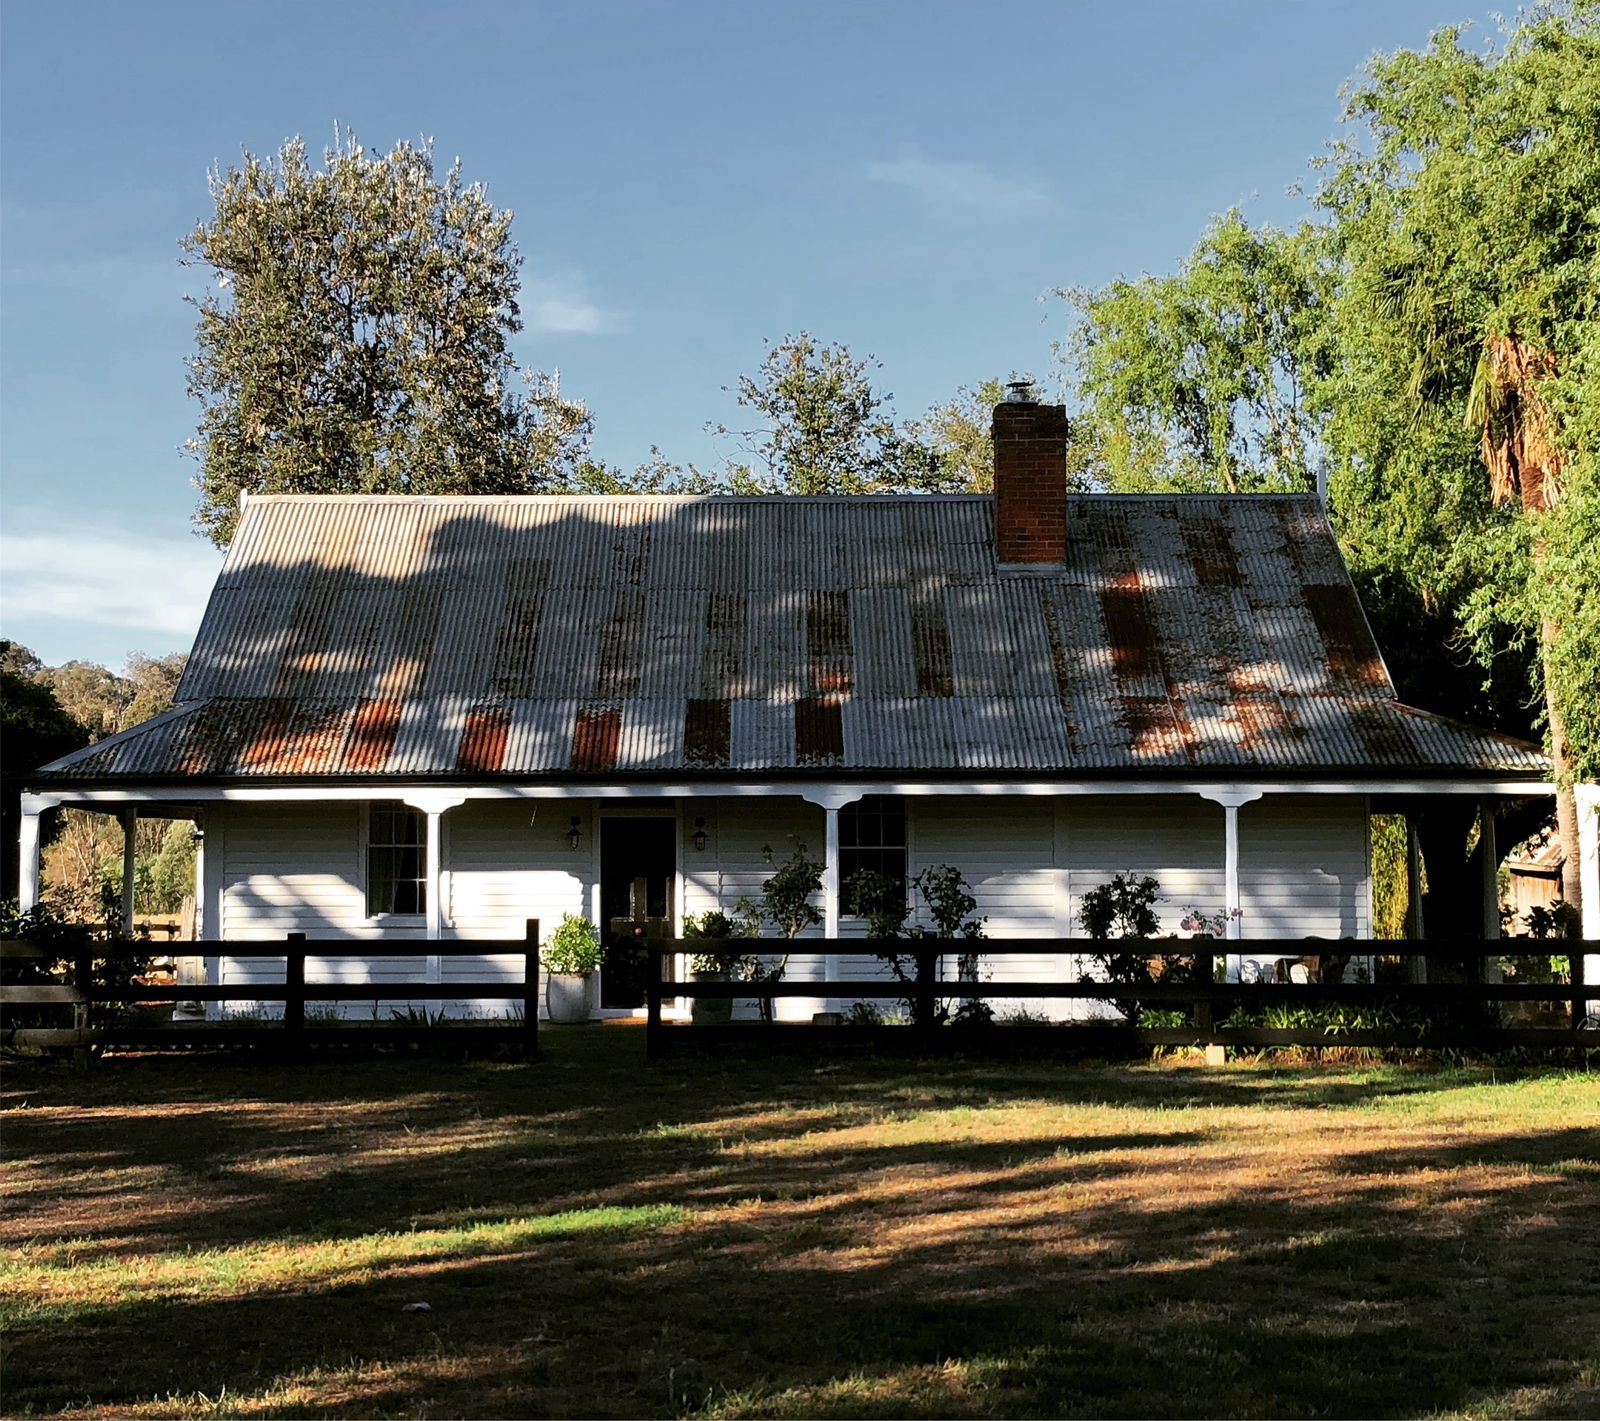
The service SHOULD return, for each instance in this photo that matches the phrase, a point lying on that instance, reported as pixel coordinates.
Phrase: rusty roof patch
(706, 733)
(596, 738)
(1350, 652)
(372, 733)
(617, 677)
(517, 641)
(416, 632)
(722, 660)
(1135, 650)
(483, 740)
(1155, 729)
(930, 643)
(818, 731)
(309, 744)
(828, 651)
(1209, 547)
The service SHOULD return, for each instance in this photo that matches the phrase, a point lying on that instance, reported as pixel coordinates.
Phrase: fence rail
(1207, 1000)
(83, 993)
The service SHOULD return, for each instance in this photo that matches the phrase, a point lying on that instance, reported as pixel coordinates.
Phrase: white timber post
(1231, 800)
(28, 848)
(435, 873)
(434, 807)
(830, 872)
(1588, 798)
(831, 802)
(130, 861)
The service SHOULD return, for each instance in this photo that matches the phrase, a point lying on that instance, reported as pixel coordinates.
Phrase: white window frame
(406, 920)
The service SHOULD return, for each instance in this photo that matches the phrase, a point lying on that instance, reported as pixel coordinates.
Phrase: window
(872, 834)
(397, 838)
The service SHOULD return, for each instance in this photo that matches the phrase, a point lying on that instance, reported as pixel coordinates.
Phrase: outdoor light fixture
(700, 833)
(575, 833)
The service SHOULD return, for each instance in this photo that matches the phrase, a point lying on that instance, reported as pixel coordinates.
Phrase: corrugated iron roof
(548, 635)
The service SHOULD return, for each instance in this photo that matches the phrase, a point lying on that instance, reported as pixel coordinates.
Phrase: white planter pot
(711, 1011)
(569, 997)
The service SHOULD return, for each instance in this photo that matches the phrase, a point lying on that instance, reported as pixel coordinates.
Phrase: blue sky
(910, 178)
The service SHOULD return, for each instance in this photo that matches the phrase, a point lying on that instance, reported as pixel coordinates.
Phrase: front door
(638, 863)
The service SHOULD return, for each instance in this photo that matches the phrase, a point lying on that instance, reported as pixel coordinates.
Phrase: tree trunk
(1454, 900)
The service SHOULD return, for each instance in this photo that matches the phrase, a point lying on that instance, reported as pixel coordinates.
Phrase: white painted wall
(736, 864)
(288, 868)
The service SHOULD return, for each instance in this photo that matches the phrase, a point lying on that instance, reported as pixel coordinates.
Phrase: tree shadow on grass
(1142, 1269)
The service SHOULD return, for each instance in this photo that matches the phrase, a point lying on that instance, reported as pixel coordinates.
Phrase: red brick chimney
(1030, 479)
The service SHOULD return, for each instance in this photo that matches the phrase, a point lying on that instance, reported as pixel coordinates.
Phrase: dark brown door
(638, 862)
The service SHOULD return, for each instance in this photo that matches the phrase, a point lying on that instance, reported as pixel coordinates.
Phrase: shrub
(573, 947)
(947, 900)
(717, 926)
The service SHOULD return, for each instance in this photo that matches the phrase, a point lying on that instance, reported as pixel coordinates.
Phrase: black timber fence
(93, 1025)
(1466, 1014)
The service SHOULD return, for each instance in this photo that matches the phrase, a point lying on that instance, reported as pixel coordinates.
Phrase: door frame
(672, 1008)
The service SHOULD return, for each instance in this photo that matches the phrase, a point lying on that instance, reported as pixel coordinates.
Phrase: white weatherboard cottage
(411, 719)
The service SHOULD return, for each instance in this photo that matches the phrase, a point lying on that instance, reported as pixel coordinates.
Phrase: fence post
(652, 996)
(530, 986)
(294, 990)
(83, 1011)
(1575, 966)
(922, 1000)
(1205, 969)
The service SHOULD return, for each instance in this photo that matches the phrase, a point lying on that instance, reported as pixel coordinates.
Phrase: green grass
(595, 1235)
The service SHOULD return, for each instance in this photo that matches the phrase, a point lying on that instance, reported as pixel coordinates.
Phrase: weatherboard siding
(296, 868)
(1028, 861)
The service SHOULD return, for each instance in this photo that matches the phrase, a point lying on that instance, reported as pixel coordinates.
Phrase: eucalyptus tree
(355, 336)
(821, 426)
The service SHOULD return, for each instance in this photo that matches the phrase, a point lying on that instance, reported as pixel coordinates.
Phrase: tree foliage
(35, 728)
(958, 440)
(51, 711)
(1204, 380)
(822, 427)
(104, 702)
(1435, 336)
(357, 337)
(1462, 209)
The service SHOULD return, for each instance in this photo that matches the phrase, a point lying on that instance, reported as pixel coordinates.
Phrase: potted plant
(571, 958)
(712, 966)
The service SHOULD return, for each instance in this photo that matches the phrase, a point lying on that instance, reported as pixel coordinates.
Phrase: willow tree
(1463, 203)
(356, 336)
(1204, 379)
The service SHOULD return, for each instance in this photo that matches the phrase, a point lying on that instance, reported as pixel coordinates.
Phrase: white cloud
(558, 303)
(960, 189)
(157, 586)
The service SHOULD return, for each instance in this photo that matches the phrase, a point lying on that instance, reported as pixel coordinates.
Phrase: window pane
(396, 860)
(872, 835)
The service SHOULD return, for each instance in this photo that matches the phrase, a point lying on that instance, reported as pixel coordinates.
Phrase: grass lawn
(594, 1235)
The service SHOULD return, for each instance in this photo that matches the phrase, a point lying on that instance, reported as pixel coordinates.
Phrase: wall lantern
(575, 833)
(700, 834)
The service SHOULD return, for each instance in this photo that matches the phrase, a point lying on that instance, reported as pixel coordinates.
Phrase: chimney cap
(1019, 392)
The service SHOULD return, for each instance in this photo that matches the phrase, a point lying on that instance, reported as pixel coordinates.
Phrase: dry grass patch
(598, 1236)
